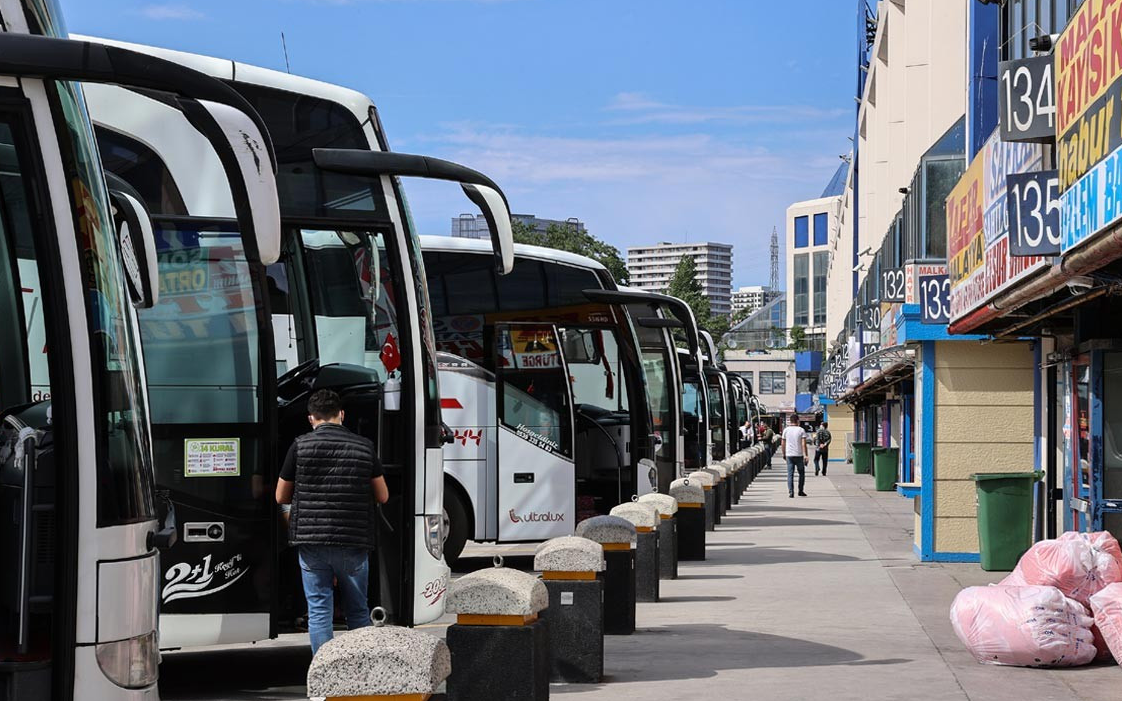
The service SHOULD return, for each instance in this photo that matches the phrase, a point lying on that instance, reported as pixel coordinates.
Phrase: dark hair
(825, 424)
(793, 419)
(324, 404)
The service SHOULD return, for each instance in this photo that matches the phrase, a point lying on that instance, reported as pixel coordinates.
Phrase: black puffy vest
(333, 503)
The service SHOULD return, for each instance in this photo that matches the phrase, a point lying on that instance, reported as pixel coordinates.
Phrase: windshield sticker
(186, 581)
(211, 457)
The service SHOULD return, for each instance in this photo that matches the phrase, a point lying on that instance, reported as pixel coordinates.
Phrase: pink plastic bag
(1078, 564)
(1107, 607)
(1028, 626)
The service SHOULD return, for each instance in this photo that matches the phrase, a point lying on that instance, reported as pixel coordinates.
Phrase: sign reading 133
(935, 298)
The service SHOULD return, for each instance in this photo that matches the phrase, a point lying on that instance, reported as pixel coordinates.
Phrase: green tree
(564, 237)
(798, 339)
(739, 315)
(685, 286)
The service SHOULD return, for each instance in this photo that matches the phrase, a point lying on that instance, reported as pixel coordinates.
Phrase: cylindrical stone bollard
(706, 480)
(724, 485)
(735, 479)
(497, 619)
(690, 495)
(645, 517)
(617, 536)
(667, 533)
(718, 494)
(575, 617)
(379, 662)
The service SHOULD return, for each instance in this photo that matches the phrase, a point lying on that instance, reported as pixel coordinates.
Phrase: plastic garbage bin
(1004, 517)
(885, 461)
(862, 458)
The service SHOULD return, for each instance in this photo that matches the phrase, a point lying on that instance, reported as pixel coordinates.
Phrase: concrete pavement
(805, 598)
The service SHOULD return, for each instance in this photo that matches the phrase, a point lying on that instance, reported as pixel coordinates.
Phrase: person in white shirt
(794, 449)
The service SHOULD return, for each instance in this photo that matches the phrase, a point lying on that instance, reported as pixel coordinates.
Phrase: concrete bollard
(617, 536)
(667, 533)
(575, 617)
(718, 493)
(645, 517)
(498, 619)
(379, 662)
(724, 486)
(706, 480)
(690, 495)
(736, 474)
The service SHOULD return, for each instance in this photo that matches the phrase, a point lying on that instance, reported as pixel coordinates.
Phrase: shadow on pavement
(709, 645)
(710, 576)
(770, 556)
(466, 565)
(226, 674)
(767, 521)
(699, 599)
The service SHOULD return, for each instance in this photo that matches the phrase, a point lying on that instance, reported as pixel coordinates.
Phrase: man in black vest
(328, 477)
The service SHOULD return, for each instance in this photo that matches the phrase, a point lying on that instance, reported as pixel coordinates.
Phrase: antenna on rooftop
(284, 45)
(774, 260)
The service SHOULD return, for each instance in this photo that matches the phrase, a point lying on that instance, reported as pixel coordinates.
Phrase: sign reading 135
(935, 298)
(1034, 213)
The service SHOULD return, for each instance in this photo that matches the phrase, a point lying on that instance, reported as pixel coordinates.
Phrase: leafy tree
(798, 339)
(571, 239)
(685, 286)
(739, 315)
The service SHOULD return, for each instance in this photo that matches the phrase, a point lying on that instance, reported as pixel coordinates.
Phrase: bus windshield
(122, 440)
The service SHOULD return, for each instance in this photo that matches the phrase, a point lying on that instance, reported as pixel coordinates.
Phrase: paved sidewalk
(805, 598)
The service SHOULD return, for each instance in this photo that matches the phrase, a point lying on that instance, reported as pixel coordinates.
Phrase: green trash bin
(884, 468)
(862, 458)
(1004, 517)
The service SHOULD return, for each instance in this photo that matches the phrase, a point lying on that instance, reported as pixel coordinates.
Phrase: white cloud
(639, 108)
(638, 190)
(171, 12)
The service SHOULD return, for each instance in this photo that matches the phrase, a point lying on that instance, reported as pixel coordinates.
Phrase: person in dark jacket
(329, 477)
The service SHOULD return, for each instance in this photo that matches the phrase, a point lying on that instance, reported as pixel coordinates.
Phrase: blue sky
(650, 120)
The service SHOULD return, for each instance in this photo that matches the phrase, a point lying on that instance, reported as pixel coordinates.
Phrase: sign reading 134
(1027, 99)
(935, 298)
(1034, 213)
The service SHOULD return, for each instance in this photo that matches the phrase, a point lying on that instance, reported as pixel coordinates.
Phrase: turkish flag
(391, 358)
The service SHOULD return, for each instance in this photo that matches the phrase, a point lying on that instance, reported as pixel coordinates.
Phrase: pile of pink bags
(1060, 607)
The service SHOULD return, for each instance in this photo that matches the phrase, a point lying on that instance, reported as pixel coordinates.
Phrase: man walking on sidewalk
(794, 449)
(329, 477)
(822, 444)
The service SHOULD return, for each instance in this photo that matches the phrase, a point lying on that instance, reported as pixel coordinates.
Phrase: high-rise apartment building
(651, 268)
(752, 297)
(474, 226)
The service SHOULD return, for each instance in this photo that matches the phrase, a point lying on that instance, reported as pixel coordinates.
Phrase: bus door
(534, 416)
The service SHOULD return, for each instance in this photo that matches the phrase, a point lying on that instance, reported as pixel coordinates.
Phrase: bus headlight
(434, 535)
(131, 663)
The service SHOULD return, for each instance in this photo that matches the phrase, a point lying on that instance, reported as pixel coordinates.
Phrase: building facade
(474, 226)
(772, 374)
(752, 297)
(763, 329)
(651, 267)
(811, 225)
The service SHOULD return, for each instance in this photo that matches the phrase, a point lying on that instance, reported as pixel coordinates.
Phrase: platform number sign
(892, 287)
(935, 299)
(870, 317)
(1034, 213)
(1026, 99)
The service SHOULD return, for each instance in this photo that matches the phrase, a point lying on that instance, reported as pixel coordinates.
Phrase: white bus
(79, 587)
(543, 388)
(237, 348)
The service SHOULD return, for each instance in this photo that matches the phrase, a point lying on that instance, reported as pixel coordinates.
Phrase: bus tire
(456, 520)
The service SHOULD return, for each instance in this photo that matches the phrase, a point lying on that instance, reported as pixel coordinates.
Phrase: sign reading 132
(935, 298)
(1034, 213)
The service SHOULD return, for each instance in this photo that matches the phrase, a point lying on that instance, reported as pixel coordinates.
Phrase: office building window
(772, 382)
(821, 267)
(802, 290)
(821, 229)
(802, 235)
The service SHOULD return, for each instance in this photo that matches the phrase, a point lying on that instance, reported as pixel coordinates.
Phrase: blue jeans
(796, 462)
(321, 566)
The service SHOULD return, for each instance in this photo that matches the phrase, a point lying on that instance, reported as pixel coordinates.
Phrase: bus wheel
(455, 526)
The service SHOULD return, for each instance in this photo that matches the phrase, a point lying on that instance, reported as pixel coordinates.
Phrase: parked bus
(543, 389)
(78, 592)
(346, 308)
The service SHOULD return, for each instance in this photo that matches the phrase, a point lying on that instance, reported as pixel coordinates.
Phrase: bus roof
(226, 69)
(451, 244)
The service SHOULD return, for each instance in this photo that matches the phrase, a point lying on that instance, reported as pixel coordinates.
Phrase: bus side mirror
(495, 210)
(138, 248)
